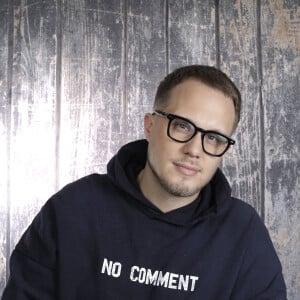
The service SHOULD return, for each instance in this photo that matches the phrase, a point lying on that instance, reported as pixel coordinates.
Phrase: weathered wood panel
(145, 60)
(4, 138)
(192, 38)
(239, 58)
(84, 72)
(91, 102)
(33, 120)
(280, 66)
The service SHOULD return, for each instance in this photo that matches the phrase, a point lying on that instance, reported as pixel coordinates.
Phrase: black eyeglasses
(182, 130)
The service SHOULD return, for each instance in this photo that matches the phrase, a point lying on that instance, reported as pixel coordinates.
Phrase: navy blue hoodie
(100, 238)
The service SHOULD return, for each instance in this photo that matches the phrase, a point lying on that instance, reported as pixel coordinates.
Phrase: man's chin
(178, 190)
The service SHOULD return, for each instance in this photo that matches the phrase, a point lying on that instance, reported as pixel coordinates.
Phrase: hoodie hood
(124, 168)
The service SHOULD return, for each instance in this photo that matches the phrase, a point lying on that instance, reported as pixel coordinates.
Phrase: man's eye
(183, 126)
(211, 137)
(215, 138)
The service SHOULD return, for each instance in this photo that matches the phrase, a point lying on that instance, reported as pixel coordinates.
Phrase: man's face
(183, 169)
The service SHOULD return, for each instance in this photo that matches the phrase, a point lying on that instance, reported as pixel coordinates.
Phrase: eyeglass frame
(203, 132)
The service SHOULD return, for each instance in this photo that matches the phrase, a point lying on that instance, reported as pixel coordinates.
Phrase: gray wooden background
(76, 77)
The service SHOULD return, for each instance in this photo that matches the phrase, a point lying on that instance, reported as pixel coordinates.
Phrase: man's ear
(148, 124)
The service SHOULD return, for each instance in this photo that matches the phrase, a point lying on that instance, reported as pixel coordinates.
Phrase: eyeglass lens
(182, 131)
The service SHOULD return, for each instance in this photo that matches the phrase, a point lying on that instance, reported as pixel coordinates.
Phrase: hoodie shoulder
(84, 184)
(82, 191)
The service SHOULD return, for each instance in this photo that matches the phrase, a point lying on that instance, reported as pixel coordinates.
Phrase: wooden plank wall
(77, 76)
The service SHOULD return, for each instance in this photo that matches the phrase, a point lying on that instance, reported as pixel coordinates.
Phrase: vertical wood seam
(8, 128)
(124, 75)
(262, 113)
(58, 89)
(217, 34)
(167, 33)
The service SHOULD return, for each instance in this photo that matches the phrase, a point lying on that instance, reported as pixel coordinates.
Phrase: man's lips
(186, 169)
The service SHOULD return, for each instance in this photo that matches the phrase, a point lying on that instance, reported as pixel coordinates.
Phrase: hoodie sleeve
(33, 261)
(260, 276)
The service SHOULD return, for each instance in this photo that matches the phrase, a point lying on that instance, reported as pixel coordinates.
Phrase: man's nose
(194, 146)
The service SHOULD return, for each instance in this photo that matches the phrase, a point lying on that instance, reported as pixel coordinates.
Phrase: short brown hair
(208, 75)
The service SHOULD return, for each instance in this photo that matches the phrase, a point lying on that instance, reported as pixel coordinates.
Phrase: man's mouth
(187, 169)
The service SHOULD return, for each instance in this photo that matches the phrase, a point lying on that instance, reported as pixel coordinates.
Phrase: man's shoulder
(86, 183)
(235, 205)
(242, 206)
(242, 213)
(86, 189)
(94, 179)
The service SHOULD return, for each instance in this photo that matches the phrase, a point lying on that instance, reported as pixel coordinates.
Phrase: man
(162, 223)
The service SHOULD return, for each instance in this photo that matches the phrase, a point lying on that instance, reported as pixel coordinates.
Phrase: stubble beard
(174, 189)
